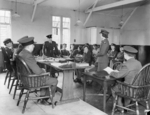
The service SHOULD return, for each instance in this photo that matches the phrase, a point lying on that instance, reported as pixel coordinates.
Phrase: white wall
(41, 26)
(137, 30)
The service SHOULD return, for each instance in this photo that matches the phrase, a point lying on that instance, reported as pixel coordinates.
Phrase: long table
(101, 80)
(68, 73)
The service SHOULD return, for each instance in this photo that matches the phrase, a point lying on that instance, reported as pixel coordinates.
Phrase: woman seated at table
(87, 56)
(64, 52)
(119, 57)
(94, 52)
(73, 51)
(112, 53)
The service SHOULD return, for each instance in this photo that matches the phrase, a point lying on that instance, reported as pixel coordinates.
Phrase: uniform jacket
(31, 62)
(50, 49)
(128, 70)
(64, 53)
(112, 54)
(102, 53)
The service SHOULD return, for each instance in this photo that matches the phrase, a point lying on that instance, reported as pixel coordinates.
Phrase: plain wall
(137, 29)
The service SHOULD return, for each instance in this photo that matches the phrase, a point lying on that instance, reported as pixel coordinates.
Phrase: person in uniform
(50, 47)
(112, 53)
(119, 57)
(9, 47)
(127, 70)
(26, 55)
(102, 57)
(64, 52)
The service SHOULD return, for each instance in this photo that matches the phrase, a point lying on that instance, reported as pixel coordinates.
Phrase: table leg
(67, 87)
(104, 96)
(84, 88)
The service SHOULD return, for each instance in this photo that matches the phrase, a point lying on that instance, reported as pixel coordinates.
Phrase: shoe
(78, 80)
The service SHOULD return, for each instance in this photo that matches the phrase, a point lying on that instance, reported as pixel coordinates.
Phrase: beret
(49, 36)
(104, 32)
(7, 40)
(130, 49)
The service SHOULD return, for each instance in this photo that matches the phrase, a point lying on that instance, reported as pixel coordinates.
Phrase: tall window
(61, 30)
(66, 31)
(5, 25)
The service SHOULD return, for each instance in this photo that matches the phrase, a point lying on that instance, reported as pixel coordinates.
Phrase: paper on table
(82, 64)
(108, 70)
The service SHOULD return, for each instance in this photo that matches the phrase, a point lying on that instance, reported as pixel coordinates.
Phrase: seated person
(9, 48)
(87, 56)
(127, 70)
(57, 52)
(94, 52)
(26, 55)
(80, 50)
(112, 53)
(73, 51)
(64, 52)
(119, 57)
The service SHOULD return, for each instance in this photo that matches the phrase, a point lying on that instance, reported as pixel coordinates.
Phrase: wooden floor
(92, 106)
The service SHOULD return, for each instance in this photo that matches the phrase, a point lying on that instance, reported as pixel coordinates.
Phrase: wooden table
(101, 80)
(67, 85)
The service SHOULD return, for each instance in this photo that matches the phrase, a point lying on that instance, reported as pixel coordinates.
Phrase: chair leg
(137, 108)
(147, 105)
(15, 88)
(25, 101)
(20, 95)
(9, 79)
(114, 105)
(6, 77)
(12, 84)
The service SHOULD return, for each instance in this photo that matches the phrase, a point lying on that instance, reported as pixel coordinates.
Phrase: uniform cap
(104, 32)
(26, 40)
(130, 49)
(7, 40)
(49, 36)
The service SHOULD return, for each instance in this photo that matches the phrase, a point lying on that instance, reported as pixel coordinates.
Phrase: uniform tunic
(50, 49)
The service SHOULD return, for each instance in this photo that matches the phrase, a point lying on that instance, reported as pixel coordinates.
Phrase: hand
(86, 70)
(107, 77)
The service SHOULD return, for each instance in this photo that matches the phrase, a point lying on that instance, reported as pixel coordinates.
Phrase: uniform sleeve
(44, 48)
(31, 62)
(103, 49)
(123, 71)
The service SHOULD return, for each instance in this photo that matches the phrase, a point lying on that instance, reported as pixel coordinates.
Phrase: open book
(109, 70)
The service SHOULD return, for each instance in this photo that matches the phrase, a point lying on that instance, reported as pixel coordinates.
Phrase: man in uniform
(127, 70)
(26, 55)
(50, 47)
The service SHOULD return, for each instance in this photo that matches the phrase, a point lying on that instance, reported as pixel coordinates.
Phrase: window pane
(2, 12)
(7, 20)
(7, 13)
(2, 20)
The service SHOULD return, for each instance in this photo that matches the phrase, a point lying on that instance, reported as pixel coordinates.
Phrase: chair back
(142, 79)
(27, 77)
(116, 65)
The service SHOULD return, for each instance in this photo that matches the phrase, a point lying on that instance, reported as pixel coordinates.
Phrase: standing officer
(50, 47)
(102, 58)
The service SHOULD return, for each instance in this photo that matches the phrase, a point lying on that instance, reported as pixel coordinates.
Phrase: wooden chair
(30, 82)
(138, 91)
(7, 62)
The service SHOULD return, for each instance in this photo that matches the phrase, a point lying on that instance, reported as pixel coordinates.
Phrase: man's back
(31, 62)
(128, 70)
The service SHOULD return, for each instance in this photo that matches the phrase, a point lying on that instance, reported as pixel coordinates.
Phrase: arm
(103, 49)
(43, 49)
(123, 71)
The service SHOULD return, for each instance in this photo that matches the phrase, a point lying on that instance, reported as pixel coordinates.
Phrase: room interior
(126, 20)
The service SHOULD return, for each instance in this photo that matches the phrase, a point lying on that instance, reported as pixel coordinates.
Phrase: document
(108, 70)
